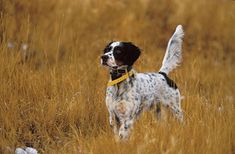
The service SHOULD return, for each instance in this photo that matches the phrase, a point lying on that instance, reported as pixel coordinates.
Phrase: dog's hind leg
(175, 106)
(172, 100)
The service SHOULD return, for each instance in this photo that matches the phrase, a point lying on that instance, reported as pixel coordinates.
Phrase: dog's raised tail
(173, 53)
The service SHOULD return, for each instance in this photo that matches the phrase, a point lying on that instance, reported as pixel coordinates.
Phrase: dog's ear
(106, 49)
(132, 53)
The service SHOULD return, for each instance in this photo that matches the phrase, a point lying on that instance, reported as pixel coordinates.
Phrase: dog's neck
(117, 73)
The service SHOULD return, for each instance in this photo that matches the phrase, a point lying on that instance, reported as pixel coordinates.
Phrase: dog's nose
(104, 58)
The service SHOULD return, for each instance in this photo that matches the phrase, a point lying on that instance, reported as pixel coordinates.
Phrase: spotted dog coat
(127, 99)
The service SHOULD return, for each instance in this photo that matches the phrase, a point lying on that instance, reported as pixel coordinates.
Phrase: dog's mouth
(106, 62)
(103, 63)
(111, 67)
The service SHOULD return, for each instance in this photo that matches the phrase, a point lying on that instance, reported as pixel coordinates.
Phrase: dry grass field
(52, 87)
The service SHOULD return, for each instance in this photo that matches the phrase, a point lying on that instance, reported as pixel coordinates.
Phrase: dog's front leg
(111, 119)
(114, 123)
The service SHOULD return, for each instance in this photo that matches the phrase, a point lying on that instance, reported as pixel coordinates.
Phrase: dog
(129, 93)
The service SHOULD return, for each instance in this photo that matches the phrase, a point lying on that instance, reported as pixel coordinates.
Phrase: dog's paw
(111, 123)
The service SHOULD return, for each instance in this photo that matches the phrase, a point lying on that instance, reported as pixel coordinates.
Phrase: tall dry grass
(52, 94)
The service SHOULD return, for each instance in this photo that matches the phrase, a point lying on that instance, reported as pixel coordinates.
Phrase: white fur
(126, 100)
(173, 54)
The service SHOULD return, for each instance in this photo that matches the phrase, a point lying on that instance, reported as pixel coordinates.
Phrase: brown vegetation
(52, 94)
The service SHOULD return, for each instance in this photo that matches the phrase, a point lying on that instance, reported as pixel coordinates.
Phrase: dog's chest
(143, 90)
(123, 91)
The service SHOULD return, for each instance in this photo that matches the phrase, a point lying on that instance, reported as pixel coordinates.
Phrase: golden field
(52, 93)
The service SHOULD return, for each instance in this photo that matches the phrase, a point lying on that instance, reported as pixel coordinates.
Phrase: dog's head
(118, 54)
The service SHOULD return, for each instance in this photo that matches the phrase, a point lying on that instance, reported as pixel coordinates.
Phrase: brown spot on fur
(121, 108)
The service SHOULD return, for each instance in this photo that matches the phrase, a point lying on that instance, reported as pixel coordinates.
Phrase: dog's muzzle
(104, 59)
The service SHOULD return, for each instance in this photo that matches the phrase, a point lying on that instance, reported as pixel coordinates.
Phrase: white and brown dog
(129, 93)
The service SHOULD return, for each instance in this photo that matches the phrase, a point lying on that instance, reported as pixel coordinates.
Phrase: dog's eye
(118, 51)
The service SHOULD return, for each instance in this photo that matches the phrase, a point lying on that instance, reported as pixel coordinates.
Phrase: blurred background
(64, 26)
(53, 87)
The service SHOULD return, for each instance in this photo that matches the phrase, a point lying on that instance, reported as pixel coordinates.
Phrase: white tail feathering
(173, 53)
